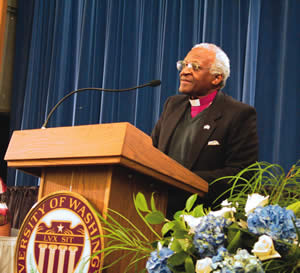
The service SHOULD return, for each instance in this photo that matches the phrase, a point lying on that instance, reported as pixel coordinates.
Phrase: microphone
(152, 84)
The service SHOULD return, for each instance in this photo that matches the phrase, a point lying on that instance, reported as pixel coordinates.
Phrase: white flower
(224, 212)
(159, 246)
(203, 265)
(254, 200)
(264, 248)
(225, 203)
(192, 221)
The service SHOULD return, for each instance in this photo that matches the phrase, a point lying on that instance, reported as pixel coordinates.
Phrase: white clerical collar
(195, 102)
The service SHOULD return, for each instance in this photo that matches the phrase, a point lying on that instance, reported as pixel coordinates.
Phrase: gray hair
(221, 64)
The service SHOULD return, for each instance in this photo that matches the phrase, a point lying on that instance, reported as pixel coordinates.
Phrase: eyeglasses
(182, 64)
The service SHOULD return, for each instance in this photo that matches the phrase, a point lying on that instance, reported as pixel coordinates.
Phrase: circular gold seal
(62, 234)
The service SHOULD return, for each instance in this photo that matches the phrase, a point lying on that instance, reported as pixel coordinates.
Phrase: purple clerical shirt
(199, 104)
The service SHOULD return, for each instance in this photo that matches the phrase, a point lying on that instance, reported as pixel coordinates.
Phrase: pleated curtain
(64, 45)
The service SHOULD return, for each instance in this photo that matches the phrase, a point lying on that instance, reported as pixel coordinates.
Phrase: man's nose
(185, 71)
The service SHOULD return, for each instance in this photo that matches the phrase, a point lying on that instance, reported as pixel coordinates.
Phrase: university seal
(60, 234)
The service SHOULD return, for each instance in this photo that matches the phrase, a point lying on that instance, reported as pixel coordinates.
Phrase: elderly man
(204, 129)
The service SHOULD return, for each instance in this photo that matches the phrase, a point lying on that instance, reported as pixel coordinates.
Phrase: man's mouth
(185, 81)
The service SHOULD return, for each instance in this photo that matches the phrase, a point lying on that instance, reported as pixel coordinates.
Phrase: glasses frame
(180, 65)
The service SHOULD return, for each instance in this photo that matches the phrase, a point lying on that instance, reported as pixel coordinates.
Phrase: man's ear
(218, 79)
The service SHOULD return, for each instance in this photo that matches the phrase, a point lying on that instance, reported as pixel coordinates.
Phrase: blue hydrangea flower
(221, 253)
(244, 262)
(273, 221)
(209, 235)
(241, 262)
(157, 262)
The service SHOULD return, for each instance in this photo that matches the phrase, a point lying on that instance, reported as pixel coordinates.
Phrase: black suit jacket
(228, 122)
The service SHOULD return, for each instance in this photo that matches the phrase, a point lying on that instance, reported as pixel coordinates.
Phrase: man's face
(200, 82)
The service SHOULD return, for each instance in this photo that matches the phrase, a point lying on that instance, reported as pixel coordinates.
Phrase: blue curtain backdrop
(64, 45)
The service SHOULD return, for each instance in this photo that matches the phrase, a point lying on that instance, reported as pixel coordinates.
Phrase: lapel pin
(206, 127)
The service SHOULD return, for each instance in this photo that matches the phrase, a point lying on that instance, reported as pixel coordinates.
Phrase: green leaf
(295, 207)
(239, 237)
(175, 246)
(184, 244)
(177, 215)
(155, 217)
(179, 224)
(177, 258)
(198, 211)
(234, 242)
(167, 227)
(180, 234)
(153, 207)
(189, 265)
(141, 203)
(190, 202)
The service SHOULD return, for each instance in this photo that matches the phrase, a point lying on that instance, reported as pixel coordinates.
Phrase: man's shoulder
(178, 97)
(176, 100)
(233, 103)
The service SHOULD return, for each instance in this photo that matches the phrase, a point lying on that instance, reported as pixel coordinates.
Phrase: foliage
(264, 238)
(265, 179)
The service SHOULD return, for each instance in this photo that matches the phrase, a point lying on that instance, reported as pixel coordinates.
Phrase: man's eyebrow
(191, 61)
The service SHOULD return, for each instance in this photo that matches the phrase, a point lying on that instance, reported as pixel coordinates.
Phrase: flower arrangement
(257, 228)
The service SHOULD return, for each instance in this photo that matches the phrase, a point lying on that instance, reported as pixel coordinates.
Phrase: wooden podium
(106, 163)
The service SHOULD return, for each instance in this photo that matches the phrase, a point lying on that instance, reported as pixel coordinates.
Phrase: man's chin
(185, 91)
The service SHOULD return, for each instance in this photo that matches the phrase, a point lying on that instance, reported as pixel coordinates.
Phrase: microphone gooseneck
(152, 84)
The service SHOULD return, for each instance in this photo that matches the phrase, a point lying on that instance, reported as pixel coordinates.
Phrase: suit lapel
(206, 128)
